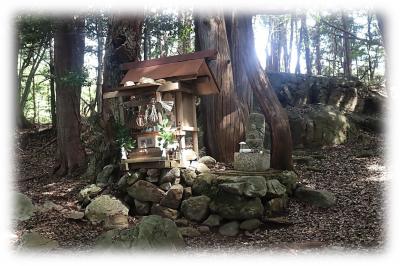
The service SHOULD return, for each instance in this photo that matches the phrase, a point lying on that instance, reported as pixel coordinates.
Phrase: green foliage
(166, 135)
(76, 79)
(124, 137)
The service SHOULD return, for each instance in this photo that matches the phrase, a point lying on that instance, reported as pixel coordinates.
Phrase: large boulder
(152, 233)
(236, 207)
(195, 208)
(35, 241)
(275, 189)
(250, 186)
(23, 207)
(188, 176)
(203, 185)
(250, 225)
(165, 212)
(229, 229)
(173, 197)
(319, 198)
(170, 175)
(107, 209)
(213, 220)
(145, 191)
(208, 161)
(88, 193)
(104, 176)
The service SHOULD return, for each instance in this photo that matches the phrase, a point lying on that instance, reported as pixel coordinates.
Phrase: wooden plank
(195, 137)
(179, 116)
(210, 54)
(270, 172)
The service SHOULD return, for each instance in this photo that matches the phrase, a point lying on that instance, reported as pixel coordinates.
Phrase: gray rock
(151, 179)
(173, 197)
(202, 168)
(154, 173)
(208, 161)
(104, 176)
(203, 185)
(234, 207)
(276, 207)
(213, 220)
(103, 207)
(170, 175)
(189, 231)
(165, 186)
(195, 208)
(319, 198)
(181, 222)
(288, 179)
(74, 215)
(204, 229)
(49, 206)
(251, 162)
(134, 177)
(89, 192)
(152, 233)
(275, 189)
(164, 212)
(251, 186)
(122, 182)
(116, 221)
(142, 208)
(250, 225)
(23, 207)
(145, 191)
(188, 176)
(35, 241)
(229, 229)
(187, 192)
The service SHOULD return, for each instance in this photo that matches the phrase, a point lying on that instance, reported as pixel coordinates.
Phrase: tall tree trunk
(346, 46)
(300, 41)
(281, 140)
(222, 113)
(306, 43)
(317, 41)
(122, 45)
(69, 49)
(100, 66)
(292, 18)
(146, 43)
(52, 87)
(283, 44)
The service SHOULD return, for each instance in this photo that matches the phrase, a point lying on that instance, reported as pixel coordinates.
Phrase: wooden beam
(210, 54)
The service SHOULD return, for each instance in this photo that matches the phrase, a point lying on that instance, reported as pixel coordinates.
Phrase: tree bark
(52, 87)
(281, 141)
(100, 65)
(346, 46)
(300, 41)
(69, 45)
(306, 43)
(223, 116)
(317, 41)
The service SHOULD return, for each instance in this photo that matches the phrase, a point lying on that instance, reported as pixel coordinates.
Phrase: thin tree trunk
(69, 49)
(146, 43)
(290, 41)
(281, 141)
(224, 119)
(34, 100)
(283, 44)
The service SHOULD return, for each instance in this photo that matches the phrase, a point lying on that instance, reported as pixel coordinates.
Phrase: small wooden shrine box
(159, 90)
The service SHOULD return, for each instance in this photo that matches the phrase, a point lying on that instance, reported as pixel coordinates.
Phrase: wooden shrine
(157, 102)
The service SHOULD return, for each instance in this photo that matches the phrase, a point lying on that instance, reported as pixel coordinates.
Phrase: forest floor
(354, 172)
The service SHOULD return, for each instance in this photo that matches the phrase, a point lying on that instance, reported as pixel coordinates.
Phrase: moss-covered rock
(236, 207)
(195, 208)
(204, 185)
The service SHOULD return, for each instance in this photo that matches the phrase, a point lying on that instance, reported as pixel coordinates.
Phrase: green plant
(124, 138)
(166, 135)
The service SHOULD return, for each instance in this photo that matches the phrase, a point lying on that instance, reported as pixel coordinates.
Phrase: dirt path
(355, 172)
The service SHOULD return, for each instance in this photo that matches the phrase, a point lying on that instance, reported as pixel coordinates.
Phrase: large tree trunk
(69, 46)
(281, 141)
(347, 46)
(317, 41)
(306, 43)
(100, 65)
(223, 117)
(52, 87)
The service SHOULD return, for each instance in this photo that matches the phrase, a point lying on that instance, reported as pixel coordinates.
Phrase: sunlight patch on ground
(379, 173)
